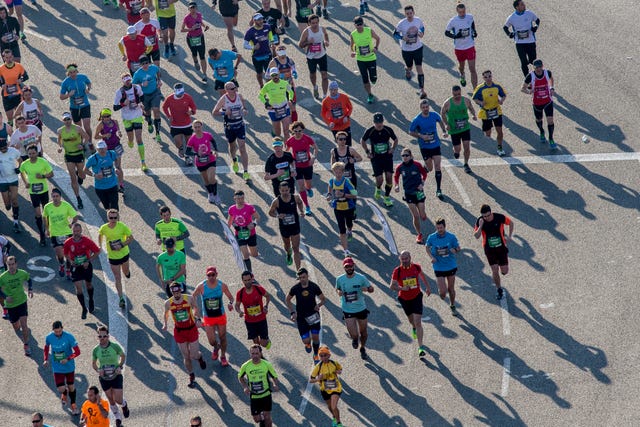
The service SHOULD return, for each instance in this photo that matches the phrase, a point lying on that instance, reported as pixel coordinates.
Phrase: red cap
(348, 261)
(211, 269)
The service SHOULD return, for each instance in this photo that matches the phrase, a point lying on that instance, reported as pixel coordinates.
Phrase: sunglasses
(342, 139)
(232, 88)
(103, 336)
(405, 155)
(113, 217)
(297, 131)
(36, 421)
(212, 274)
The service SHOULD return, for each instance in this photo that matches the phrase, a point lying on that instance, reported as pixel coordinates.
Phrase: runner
(194, 27)
(34, 172)
(305, 152)
(171, 267)
(424, 128)
(342, 195)
(132, 46)
(224, 68)
(349, 156)
(95, 410)
(229, 11)
(258, 39)
(117, 237)
(255, 301)
(9, 157)
(15, 299)
(409, 32)
(455, 115)
(148, 77)
(304, 9)
(58, 216)
(405, 280)
(25, 135)
(108, 130)
(306, 314)
(204, 147)
(214, 318)
(260, 380)
(5, 247)
(76, 87)
(243, 217)
(350, 288)
(30, 108)
(72, 139)
(149, 28)
(169, 226)
(63, 349)
(280, 167)
(364, 46)
(336, 111)
(133, 9)
(441, 248)
(381, 154)
(128, 99)
(102, 167)
(287, 67)
(232, 108)
(315, 41)
(490, 96)
(166, 13)
(182, 308)
(80, 251)
(276, 95)
(491, 227)
(285, 207)
(108, 361)
(462, 29)
(364, 7)
(13, 75)
(521, 26)
(10, 33)
(539, 84)
(413, 177)
(326, 373)
(179, 107)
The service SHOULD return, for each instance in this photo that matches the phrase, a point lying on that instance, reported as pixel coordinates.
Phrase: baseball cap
(257, 16)
(104, 112)
(66, 115)
(378, 118)
(144, 59)
(192, 3)
(537, 63)
(348, 261)
(169, 243)
(175, 286)
(101, 144)
(178, 89)
(324, 350)
(277, 142)
(126, 78)
(131, 29)
(274, 70)
(211, 270)
(333, 84)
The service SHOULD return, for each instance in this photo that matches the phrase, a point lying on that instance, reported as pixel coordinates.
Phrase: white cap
(274, 70)
(131, 30)
(102, 144)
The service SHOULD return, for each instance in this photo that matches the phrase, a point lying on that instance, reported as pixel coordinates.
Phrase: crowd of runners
(91, 140)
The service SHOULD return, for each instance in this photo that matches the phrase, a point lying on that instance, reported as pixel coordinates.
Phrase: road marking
(234, 245)
(506, 373)
(388, 235)
(456, 183)
(446, 163)
(504, 306)
(548, 305)
(38, 35)
(31, 265)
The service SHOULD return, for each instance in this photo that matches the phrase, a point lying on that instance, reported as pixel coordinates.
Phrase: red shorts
(466, 54)
(185, 335)
(62, 379)
(215, 321)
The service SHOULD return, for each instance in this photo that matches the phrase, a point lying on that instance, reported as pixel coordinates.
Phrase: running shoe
(224, 361)
(246, 176)
(309, 192)
(118, 422)
(318, 11)
(366, 7)
(362, 9)
(407, 74)
(74, 409)
(349, 235)
(210, 198)
(499, 294)
(174, 52)
(125, 410)
(158, 138)
(122, 302)
(325, 13)
(192, 381)
(414, 334)
(543, 140)
(121, 189)
(377, 194)
(307, 348)
(423, 95)
(334, 423)
(463, 82)
(346, 252)
(181, 151)
(84, 313)
(316, 94)
(5, 314)
(202, 363)
(287, 22)
(215, 353)
(454, 312)
(150, 127)
(80, 204)
(419, 239)
(370, 98)
(439, 194)
(105, 2)
(422, 351)
(467, 169)
(27, 350)
(16, 227)
(234, 49)
(68, 273)
(552, 145)
(354, 343)
(456, 155)
(80, 180)
(501, 152)
(363, 353)
(204, 79)
(43, 241)
(143, 166)
(307, 211)
(316, 359)
(22, 36)
(234, 166)
(115, 4)
(92, 306)
(387, 201)
(166, 52)
(63, 399)
(268, 346)
(61, 270)
(289, 257)
(188, 161)
(130, 144)
(217, 200)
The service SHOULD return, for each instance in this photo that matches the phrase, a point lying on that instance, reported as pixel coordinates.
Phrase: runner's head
(197, 126)
(76, 229)
(27, 93)
(313, 21)
(409, 12)
(56, 195)
(441, 225)
(537, 65)
(378, 121)
(341, 138)
(338, 169)
(66, 118)
(297, 128)
(519, 5)
(274, 74)
(144, 62)
(178, 90)
(193, 7)
(238, 197)
(32, 152)
(406, 155)
(7, 55)
(56, 327)
(230, 87)
(212, 273)
(20, 122)
(71, 70)
(131, 32)
(247, 279)
(93, 394)
(333, 88)
(4, 12)
(324, 352)
(487, 76)
(215, 54)
(145, 14)
(258, 20)
(456, 92)
(102, 148)
(266, 5)
(349, 265)
(281, 50)
(12, 264)
(256, 352)
(278, 146)
(165, 213)
(170, 244)
(424, 106)
(113, 216)
(37, 419)
(461, 10)
(195, 421)
(104, 114)
(485, 212)
(176, 289)
(285, 190)
(303, 275)
(405, 258)
(126, 79)
(359, 23)
(103, 333)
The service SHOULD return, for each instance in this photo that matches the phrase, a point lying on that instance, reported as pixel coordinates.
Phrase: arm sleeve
(396, 175)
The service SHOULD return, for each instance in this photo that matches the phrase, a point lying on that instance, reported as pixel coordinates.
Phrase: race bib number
(37, 188)
(412, 282)
(364, 50)
(494, 242)
(492, 114)
(302, 156)
(257, 387)
(305, 11)
(9, 37)
(32, 115)
(115, 245)
(461, 123)
(412, 38)
(12, 89)
(135, 66)
(351, 296)
(381, 148)
(236, 113)
(61, 239)
(163, 4)
(59, 356)
(465, 32)
(443, 252)
(313, 319)
(289, 219)
(181, 315)
(280, 112)
(78, 100)
(254, 310)
(315, 47)
(347, 172)
(203, 159)
(212, 303)
(523, 34)
(109, 370)
(119, 150)
(222, 71)
(330, 384)
(430, 136)
(244, 233)
(336, 112)
(107, 172)
(80, 259)
(195, 41)
(151, 40)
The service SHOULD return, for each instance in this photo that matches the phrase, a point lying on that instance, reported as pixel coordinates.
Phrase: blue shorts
(233, 133)
(14, 3)
(282, 113)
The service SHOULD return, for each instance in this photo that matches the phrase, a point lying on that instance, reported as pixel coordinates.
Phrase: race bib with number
(494, 242)
(61, 239)
(80, 259)
(523, 34)
(313, 319)
(109, 371)
(330, 384)
(163, 4)
(443, 252)
(305, 11)
(461, 123)
(364, 50)
(257, 387)
(107, 172)
(289, 219)
(254, 310)
(12, 89)
(119, 150)
(412, 282)
(222, 71)
(492, 114)
(78, 100)
(37, 188)
(203, 159)
(115, 245)
(181, 315)
(244, 233)
(465, 32)
(342, 205)
(59, 356)
(302, 156)
(351, 296)
(336, 112)
(315, 47)
(195, 41)
(280, 112)
(381, 148)
(429, 136)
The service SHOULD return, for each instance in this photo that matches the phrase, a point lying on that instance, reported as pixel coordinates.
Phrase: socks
(156, 125)
(316, 347)
(421, 81)
(141, 152)
(305, 199)
(214, 188)
(90, 292)
(16, 212)
(387, 190)
(247, 263)
(438, 179)
(540, 127)
(72, 396)
(81, 301)
(40, 226)
(551, 128)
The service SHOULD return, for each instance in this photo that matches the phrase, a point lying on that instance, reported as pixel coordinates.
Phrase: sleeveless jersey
(212, 305)
(316, 49)
(113, 140)
(182, 314)
(363, 43)
(290, 211)
(30, 112)
(540, 88)
(349, 168)
(458, 117)
(235, 106)
(286, 69)
(70, 140)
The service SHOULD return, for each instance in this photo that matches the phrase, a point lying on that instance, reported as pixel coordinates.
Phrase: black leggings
(344, 219)
(527, 54)
(368, 71)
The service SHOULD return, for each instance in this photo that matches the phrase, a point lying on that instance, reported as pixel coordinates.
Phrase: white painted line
(38, 35)
(506, 325)
(456, 182)
(234, 244)
(547, 305)
(388, 235)
(506, 373)
(446, 163)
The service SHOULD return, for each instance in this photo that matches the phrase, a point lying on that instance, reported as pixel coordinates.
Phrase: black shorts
(488, 124)
(261, 65)
(547, 109)
(287, 231)
(257, 329)
(77, 114)
(361, 315)
(151, 100)
(6, 186)
(304, 328)
(132, 126)
(368, 71)
(198, 50)
(58, 240)
(412, 57)
(304, 173)
(412, 306)
(154, 55)
(445, 273)
(39, 199)
(228, 9)
(206, 167)
(233, 133)
(188, 131)
(261, 404)
(457, 138)
(79, 273)
(381, 163)
(414, 198)
(119, 261)
(166, 23)
(108, 197)
(219, 84)
(15, 313)
(428, 153)
(344, 218)
(251, 241)
(11, 102)
(115, 383)
(497, 256)
(327, 396)
(314, 63)
(74, 158)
